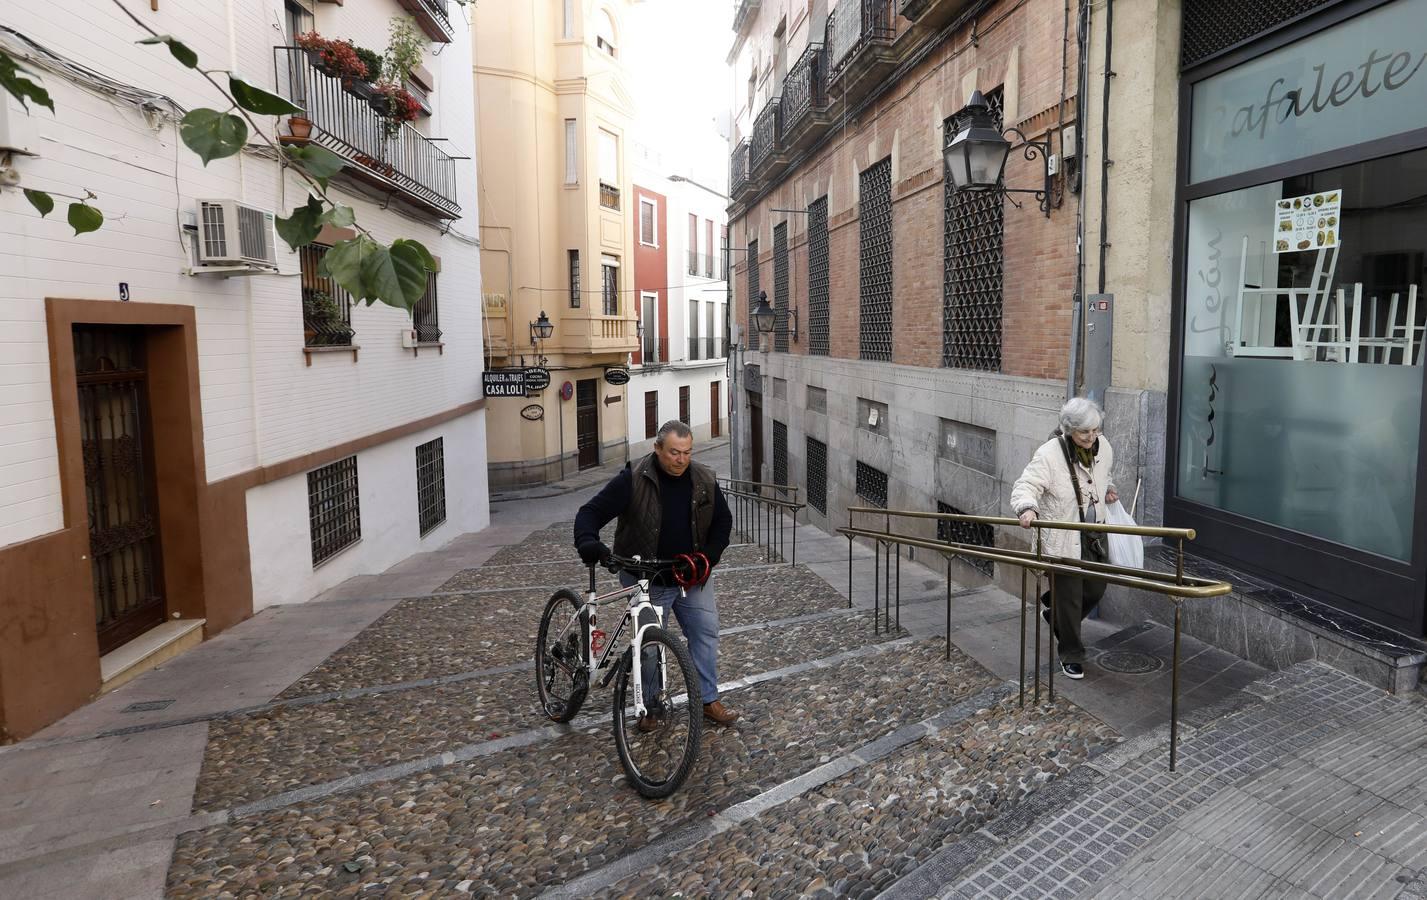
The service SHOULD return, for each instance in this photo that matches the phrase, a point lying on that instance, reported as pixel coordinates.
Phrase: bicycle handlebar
(688, 569)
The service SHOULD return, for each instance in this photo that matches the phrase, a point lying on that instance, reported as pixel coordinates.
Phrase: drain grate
(1129, 662)
(148, 706)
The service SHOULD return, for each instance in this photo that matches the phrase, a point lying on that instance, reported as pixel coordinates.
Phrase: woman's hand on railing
(1027, 516)
(1112, 496)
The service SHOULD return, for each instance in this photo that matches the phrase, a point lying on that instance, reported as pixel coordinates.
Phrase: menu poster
(1309, 222)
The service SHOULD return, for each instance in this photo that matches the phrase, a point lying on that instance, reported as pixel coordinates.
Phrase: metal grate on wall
(431, 484)
(426, 316)
(818, 313)
(780, 453)
(972, 260)
(326, 306)
(872, 485)
(334, 512)
(874, 326)
(780, 288)
(817, 475)
(753, 286)
(977, 533)
(1212, 26)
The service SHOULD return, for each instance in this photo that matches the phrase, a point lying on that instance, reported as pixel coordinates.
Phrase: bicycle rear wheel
(560, 673)
(659, 753)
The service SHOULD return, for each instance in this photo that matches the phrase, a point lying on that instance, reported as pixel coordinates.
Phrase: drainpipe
(1082, 78)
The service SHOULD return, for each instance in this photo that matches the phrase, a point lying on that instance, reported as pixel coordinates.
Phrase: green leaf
(410, 263)
(179, 49)
(213, 135)
(13, 80)
(40, 201)
(84, 218)
(319, 162)
(340, 217)
(302, 227)
(427, 260)
(256, 100)
(343, 264)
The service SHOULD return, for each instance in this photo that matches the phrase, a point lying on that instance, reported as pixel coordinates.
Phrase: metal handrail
(785, 488)
(763, 518)
(1177, 587)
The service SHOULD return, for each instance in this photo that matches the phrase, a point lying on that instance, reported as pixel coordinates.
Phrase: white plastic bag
(1125, 549)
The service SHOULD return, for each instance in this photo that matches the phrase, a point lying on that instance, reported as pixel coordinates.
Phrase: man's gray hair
(674, 427)
(1080, 414)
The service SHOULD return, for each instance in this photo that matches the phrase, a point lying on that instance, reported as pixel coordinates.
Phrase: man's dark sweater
(675, 499)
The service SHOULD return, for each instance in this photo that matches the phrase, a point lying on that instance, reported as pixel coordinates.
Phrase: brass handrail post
(1174, 695)
(1051, 641)
(876, 585)
(1023, 638)
(1036, 672)
(849, 566)
(899, 590)
(948, 609)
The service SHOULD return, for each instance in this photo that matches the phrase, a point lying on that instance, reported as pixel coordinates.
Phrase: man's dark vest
(638, 530)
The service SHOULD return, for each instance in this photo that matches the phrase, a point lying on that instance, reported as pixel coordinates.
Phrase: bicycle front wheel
(658, 751)
(560, 673)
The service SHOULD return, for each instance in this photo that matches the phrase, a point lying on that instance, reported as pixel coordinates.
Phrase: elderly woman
(1068, 480)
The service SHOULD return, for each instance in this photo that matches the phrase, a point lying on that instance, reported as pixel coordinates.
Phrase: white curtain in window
(569, 28)
(572, 153)
(609, 158)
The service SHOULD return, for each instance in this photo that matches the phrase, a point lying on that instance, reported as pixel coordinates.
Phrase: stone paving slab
(254, 756)
(857, 834)
(566, 570)
(512, 823)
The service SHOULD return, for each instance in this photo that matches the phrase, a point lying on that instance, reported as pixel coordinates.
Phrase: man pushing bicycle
(668, 505)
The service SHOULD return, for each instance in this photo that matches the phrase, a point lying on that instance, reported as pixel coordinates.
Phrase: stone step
(147, 651)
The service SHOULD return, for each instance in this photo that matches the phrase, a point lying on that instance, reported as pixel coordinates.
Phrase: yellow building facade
(553, 123)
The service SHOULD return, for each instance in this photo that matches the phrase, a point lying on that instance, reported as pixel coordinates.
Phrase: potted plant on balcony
(335, 59)
(396, 107)
(366, 87)
(320, 316)
(300, 128)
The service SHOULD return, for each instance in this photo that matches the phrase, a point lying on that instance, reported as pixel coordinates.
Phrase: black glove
(592, 552)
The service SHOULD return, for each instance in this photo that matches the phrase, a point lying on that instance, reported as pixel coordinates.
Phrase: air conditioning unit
(235, 234)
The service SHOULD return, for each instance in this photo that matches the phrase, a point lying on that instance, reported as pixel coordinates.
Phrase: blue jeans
(698, 617)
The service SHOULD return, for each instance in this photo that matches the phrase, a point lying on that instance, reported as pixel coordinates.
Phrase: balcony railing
(707, 348)
(609, 196)
(805, 90)
(767, 134)
(693, 262)
(433, 18)
(701, 264)
(855, 25)
(738, 169)
(653, 351)
(348, 125)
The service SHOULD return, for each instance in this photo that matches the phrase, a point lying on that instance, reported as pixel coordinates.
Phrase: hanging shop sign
(1309, 222)
(534, 412)
(537, 378)
(617, 376)
(503, 382)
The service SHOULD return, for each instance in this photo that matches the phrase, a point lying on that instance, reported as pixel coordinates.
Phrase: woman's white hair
(1080, 414)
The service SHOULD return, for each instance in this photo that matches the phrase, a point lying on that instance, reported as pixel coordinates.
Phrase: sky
(674, 53)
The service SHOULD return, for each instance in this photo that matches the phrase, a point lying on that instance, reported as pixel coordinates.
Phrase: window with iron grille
(872, 485)
(611, 290)
(334, 513)
(780, 288)
(817, 278)
(753, 287)
(684, 404)
(326, 307)
(574, 279)
(780, 453)
(977, 533)
(651, 414)
(874, 326)
(425, 317)
(431, 484)
(972, 260)
(817, 475)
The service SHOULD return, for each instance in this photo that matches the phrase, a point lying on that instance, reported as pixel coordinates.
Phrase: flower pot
(380, 103)
(320, 63)
(357, 87)
(299, 127)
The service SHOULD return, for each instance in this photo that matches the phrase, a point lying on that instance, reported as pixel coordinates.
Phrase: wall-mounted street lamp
(764, 316)
(541, 330)
(976, 156)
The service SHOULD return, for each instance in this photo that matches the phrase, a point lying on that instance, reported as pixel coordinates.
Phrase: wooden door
(116, 441)
(755, 437)
(715, 413)
(587, 421)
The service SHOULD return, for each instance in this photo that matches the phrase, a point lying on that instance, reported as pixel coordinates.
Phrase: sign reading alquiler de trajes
(503, 382)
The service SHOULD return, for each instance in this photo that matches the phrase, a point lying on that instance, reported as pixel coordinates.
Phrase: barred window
(818, 315)
(684, 404)
(651, 414)
(972, 262)
(874, 327)
(978, 533)
(753, 287)
(817, 475)
(333, 509)
(574, 279)
(431, 484)
(780, 288)
(872, 485)
(326, 306)
(425, 316)
(611, 289)
(780, 453)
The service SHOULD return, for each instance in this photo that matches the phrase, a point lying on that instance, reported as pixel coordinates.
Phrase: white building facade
(182, 445)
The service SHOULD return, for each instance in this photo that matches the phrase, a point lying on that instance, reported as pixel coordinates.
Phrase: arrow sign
(614, 399)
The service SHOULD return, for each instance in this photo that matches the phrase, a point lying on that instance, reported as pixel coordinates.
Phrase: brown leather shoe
(651, 722)
(719, 714)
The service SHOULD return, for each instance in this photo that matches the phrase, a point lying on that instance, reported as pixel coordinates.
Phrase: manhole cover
(148, 706)
(1129, 662)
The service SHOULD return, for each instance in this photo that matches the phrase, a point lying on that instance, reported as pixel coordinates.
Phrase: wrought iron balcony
(932, 13)
(805, 91)
(707, 348)
(745, 14)
(738, 169)
(854, 28)
(433, 18)
(609, 196)
(653, 351)
(407, 163)
(767, 135)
